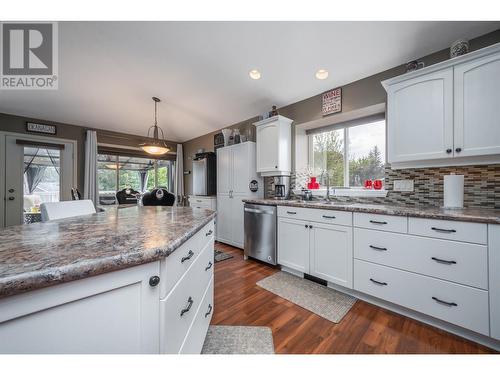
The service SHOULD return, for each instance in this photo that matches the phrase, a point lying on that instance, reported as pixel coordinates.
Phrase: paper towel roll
(453, 191)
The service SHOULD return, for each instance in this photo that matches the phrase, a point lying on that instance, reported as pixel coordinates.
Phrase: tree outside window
(364, 146)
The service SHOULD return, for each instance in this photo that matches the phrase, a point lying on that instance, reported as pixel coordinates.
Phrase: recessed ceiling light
(322, 74)
(254, 74)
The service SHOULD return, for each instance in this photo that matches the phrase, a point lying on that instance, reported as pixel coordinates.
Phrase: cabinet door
(116, 312)
(331, 253)
(237, 220)
(224, 164)
(224, 218)
(477, 107)
(267, 147)
(240, 169)
(293, 244)
(420, 118)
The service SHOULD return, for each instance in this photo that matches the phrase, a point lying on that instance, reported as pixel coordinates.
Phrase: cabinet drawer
(178, 310)
(460, 262)
(381, 222)
(457, 304)
(448, 229)
(176, 264)
(317, 215)
(198, 331)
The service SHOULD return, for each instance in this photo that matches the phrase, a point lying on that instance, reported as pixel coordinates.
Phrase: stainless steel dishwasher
(260, 232)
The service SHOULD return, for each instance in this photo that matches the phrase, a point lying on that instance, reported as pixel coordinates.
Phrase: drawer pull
(443, 230)
(210, 264)
(443, 261)
(198, 201)
(209, 310)
(378, 222)
(291, 212)
(329, 217)
(444, 302)
(209, 233)
(187, 257)
(378, 282)
(378, 248)
(190, 304)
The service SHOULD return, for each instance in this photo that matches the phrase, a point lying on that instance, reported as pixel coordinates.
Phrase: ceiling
(108, 71)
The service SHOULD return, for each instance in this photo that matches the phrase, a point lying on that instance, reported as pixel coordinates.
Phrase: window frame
(155, 168)
(345, 128)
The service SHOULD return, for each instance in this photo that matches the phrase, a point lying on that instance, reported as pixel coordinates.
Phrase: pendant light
(157, 146)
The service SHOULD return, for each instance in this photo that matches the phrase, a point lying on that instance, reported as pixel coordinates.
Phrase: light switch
(404, 185)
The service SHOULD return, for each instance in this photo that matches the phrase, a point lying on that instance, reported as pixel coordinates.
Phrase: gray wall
(17, 124)
(355, 95)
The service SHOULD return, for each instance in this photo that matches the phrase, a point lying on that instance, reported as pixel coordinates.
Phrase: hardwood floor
(365, 329)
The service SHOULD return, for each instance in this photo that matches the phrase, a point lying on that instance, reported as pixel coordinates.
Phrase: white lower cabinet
(113, 313)
(321, 250)
(178, 309)
(331, 253)
(457, 304)
(293, 244)
(192, 343)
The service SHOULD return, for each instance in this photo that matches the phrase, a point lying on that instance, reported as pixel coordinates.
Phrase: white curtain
(179, 176)
(90, 184)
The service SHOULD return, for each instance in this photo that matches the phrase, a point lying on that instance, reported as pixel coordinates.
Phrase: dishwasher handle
(254, 211)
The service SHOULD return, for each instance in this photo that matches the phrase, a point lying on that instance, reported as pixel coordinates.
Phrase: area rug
(319, 299)
(238, 340)
(220, 256)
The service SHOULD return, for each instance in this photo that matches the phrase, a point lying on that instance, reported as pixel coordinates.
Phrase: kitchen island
(134, 280)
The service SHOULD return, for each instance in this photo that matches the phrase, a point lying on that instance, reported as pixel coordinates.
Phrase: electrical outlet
(404, 185)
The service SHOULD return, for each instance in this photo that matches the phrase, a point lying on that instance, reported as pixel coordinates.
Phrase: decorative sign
(332, 101)
(253, 186)
(41, 128)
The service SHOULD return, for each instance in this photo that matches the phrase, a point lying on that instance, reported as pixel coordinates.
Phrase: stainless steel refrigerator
(204, 174)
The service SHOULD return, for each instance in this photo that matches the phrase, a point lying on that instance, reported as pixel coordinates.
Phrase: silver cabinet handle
(378, 282)
(450, 304)
(209, 233)
(190, 304)
(329, 217)
(378, 222)
(443, 261)
(187, 257)
(378, 248)
(253, 210)
(210, 264)
(209, 310)
(443, 230)
(291, 212)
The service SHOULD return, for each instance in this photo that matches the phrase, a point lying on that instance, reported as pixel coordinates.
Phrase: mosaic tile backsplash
(481, 187)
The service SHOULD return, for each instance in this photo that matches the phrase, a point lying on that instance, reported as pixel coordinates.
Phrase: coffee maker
(281, 187)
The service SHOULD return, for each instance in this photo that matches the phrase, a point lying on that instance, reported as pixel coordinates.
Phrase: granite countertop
(477, 215)
(43, 254)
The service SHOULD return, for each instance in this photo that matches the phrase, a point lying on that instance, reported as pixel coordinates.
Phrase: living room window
(117, 172)
(351, 153)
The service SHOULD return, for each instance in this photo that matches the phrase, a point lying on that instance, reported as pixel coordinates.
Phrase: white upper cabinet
(447, 113)
(420, 114)
(274, 146)
(477, 107)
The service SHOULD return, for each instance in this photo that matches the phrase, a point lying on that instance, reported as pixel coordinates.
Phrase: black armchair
(158, 197)
(127, 196)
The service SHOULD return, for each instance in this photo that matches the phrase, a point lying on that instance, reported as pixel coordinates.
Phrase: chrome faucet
(327, 175)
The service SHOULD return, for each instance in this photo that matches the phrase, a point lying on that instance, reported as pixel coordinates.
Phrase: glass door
(35, 173)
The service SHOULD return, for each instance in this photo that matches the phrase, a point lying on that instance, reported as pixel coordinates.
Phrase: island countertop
(37, 255)
(476, 215)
